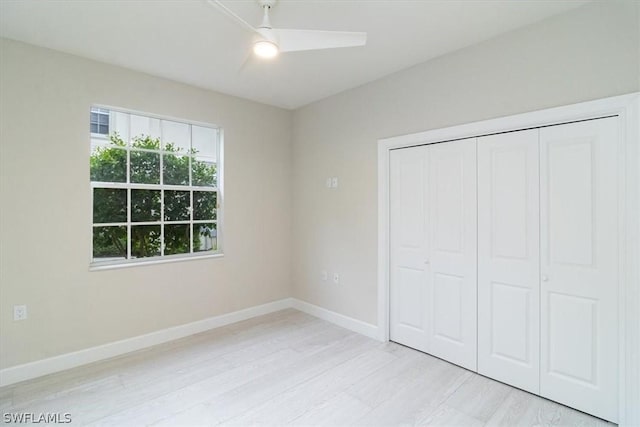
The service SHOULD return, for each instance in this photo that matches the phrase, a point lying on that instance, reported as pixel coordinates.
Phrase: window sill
(100, 266)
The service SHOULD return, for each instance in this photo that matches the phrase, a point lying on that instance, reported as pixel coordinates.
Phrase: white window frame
(162, 258)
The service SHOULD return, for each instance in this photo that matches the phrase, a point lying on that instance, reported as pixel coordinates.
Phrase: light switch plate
(19, 312)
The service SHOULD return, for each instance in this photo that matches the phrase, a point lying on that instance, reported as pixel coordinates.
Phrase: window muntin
(154, 189)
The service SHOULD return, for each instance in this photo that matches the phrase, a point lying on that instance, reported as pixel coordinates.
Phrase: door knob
(426, 261)
(545, 278)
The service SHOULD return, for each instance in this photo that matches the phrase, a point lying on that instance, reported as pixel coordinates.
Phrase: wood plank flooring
(285, 368)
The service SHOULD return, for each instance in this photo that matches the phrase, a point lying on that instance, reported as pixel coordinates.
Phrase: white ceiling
(192, 42)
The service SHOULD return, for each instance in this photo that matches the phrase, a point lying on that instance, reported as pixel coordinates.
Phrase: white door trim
(627, 108)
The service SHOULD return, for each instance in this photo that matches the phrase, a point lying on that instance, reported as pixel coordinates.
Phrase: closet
(503, 258)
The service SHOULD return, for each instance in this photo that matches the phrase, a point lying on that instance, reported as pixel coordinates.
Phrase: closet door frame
(627, 109)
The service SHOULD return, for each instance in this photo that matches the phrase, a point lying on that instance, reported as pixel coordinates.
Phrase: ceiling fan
(269, 41)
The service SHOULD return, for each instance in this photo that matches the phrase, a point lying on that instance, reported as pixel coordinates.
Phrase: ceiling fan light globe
(265, 49)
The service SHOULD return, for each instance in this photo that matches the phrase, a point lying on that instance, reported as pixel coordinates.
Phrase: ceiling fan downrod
(266, 6)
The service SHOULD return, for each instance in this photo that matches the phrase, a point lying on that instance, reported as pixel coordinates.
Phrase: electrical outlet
(334, 182)
(19, 312)
(336, 278)
(328, 182)
(324, 275)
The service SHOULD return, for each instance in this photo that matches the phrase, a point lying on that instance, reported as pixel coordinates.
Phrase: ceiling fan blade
(224, 9)
(296, 40)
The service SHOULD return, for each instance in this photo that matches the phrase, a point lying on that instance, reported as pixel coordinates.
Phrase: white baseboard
(366, 329)
(62, 362)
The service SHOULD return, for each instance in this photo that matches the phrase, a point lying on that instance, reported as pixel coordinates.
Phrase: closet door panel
(408, 248)
(508, 258)
(452, 210)
(579, 255)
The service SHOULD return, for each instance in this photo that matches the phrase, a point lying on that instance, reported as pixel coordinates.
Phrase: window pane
(175, 169)
(103, 129)
(204, 205)
(203, 174)
(109, 243)
(145, 241)
(109, 205)
(176, 239)
(94, 118)
(145, 205)
(145, 167)
(103, 119)
(94, 128)
(203, 142)
(205, 237)
(119, 124)
(175, 136)
(176, 205)
(144, 126)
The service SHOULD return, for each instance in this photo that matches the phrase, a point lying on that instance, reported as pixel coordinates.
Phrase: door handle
(426, 261)
(545, 278)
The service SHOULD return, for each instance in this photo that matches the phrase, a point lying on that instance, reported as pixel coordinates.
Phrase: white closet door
(408, 248)
(452, 275)
(433, 285)
(579, 257)
(508, 259)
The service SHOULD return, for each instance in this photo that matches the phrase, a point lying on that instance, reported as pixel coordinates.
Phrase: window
(154, 185)
(99, 121)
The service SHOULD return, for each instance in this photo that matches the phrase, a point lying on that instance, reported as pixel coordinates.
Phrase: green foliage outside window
(109, 164)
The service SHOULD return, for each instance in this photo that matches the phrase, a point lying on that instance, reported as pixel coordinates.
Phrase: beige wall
(586, 54)
(45, 208)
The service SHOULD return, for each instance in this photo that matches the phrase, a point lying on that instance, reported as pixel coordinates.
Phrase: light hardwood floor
(286, 368)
